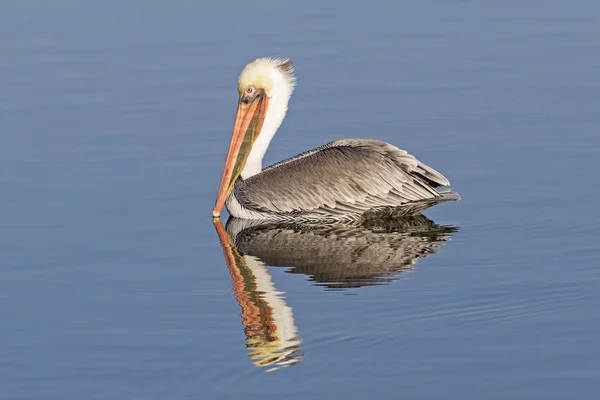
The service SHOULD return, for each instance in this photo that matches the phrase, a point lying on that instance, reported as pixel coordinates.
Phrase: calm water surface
(114, 283)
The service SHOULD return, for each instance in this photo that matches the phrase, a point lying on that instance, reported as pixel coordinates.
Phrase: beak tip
(216, 214)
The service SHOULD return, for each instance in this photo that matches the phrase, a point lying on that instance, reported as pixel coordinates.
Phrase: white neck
(277, 108)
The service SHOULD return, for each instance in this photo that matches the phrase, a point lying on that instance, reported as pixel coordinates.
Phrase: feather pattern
(347, 179)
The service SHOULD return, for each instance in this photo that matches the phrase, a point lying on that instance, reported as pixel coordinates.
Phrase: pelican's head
(267, 74)
(264, 86)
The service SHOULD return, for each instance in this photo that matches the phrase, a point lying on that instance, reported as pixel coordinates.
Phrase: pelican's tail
(409, 209)
(449, 195)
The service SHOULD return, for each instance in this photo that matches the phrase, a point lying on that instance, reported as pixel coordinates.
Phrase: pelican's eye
(249, 89)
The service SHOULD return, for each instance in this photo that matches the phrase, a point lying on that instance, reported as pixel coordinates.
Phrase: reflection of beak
(248, 123)
(271, 335)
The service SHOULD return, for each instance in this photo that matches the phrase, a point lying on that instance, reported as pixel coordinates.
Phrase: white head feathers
(268, 73)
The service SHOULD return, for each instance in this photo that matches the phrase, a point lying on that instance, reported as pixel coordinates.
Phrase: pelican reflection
(271, 333)
(336, 257)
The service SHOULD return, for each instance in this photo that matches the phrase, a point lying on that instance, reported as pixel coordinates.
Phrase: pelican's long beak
(248, 123)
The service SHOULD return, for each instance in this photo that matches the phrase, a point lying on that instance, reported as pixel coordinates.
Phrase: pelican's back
(346, 179)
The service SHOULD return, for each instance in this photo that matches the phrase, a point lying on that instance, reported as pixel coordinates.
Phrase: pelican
(344, 180)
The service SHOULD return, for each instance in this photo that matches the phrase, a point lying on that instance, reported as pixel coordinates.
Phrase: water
(115, 121)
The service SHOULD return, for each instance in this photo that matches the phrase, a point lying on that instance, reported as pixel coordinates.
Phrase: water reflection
(271, 333)
(337, 257)
(341, 256)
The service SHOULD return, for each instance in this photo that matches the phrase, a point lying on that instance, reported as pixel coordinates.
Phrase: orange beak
(248, 123)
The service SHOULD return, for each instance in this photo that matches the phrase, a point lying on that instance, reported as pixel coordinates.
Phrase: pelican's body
(348, 179)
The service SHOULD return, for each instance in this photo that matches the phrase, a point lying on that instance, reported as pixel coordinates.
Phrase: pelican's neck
(278, 104)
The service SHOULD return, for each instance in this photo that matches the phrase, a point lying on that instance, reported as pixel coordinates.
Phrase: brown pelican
(345, 180)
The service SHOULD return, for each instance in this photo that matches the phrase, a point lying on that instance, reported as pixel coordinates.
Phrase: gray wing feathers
(344, 176)
(406, 161)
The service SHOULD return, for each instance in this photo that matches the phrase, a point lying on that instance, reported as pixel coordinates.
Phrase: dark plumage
(346, 179)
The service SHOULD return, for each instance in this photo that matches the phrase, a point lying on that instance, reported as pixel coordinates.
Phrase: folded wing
(342, 177)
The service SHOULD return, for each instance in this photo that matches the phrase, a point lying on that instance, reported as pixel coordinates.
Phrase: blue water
(115, 120)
